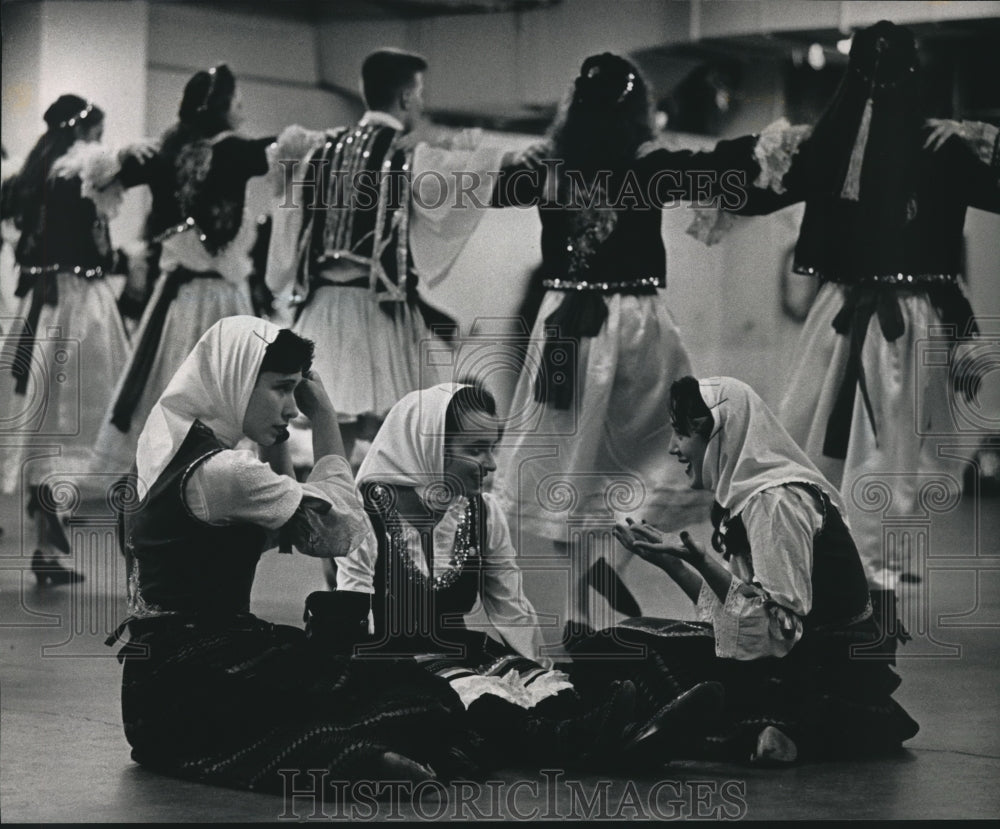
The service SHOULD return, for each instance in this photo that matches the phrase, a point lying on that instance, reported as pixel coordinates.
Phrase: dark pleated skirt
(832, 703)
(236, 704)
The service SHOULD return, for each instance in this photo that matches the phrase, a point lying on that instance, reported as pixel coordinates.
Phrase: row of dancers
(885, 197)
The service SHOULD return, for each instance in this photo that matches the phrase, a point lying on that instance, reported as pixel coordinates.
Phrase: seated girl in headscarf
(784, 617)
(443, 547)
(209, 691)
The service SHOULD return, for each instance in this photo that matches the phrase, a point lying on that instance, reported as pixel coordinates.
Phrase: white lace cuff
(776, 146)
(98, 168)
(983, 139)
(293, 146)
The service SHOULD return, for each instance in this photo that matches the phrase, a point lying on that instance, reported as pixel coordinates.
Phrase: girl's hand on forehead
(311, 396)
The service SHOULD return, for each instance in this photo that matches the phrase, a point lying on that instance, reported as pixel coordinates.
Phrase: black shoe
(584, 741)
(600, 732)
(393, 766)
(690, 714)
(885, 612)
(49, 571)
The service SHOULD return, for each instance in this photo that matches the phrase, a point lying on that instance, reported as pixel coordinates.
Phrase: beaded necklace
(463, 548)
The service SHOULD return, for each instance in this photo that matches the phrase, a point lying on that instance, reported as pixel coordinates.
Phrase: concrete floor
(63, 757)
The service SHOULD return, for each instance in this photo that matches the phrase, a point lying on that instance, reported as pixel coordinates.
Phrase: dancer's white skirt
(199, 304)
(565, 474)
(48, 433)
(898, 475)
(366, 359)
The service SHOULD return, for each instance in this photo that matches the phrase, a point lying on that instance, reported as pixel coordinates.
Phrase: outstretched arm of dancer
(140, 164)
(782, 151)
(453, 180)
(295, 182)
(979, 137)
(523, 176)
(975, 182)
(712, 178)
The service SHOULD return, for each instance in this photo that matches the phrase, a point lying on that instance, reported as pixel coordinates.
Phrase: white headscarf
(213, 385)
(409, 447)
(749, 450)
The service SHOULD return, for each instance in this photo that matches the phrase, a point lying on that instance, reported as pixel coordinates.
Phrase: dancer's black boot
(49, 569)
(885, 612)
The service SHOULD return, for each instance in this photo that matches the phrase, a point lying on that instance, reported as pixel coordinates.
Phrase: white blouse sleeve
(356, 571)
(763, 610)
(324, 514)
(452, 188)
(283, 250)
(288, 209)
(502, 595)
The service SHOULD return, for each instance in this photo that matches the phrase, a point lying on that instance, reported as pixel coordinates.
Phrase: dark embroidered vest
(360, 213)
(414, 613)
(64, 232)
(178, 563)
(839, 588)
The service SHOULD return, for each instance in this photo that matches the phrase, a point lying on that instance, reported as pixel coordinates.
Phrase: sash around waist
(360, 282)
(342, 273)
(182, 275)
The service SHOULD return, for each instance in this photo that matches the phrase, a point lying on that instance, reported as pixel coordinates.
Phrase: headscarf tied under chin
(749, 450)
(408, 450)
(213, 385)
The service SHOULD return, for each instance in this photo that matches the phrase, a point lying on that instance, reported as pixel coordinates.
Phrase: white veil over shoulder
(749, 450)
(409, 447)
(213, 385)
